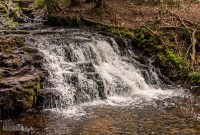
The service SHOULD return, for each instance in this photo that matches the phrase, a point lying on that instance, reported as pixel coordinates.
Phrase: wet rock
(49, 94)
(87, 89)
(31, 50)
(86, 67)
(5, 56)
(19, 96)
(16, 62)
(12, 41)
(2, 72)
(20, 77)
(123, 45)
(195, 90)
(1, 6)
(23, 70)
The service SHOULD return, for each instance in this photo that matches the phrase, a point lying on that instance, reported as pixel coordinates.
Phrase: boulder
(18, 94)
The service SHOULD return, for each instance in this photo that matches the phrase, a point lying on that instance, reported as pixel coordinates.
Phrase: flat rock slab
(22, 79)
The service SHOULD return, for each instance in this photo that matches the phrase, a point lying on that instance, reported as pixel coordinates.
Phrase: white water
(71, 58)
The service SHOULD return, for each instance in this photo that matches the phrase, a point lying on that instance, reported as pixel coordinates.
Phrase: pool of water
(172, 116)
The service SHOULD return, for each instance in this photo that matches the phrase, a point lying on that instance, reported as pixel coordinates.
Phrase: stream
(95, 86)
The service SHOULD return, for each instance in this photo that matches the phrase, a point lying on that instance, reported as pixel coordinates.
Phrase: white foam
(72, 111)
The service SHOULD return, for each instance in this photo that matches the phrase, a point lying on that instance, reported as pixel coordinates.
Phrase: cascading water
(101, 78)
(85, 67)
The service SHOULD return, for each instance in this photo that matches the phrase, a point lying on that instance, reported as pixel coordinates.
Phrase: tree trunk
(52, 6)
(100, 3)
(75, 2)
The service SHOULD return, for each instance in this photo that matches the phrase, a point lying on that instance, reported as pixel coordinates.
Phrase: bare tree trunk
(194, 41)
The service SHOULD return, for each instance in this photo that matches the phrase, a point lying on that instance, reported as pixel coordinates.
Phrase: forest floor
(132, 14)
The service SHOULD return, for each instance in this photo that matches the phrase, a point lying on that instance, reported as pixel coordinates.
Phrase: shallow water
(173, 116)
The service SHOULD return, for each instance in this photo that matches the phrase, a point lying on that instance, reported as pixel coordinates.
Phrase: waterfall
(85, 67)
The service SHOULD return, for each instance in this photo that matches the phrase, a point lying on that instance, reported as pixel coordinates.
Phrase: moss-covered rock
(19, 92)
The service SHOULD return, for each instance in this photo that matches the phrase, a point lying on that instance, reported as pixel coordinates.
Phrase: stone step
(25, 80)
(49, 98)
(73, 77)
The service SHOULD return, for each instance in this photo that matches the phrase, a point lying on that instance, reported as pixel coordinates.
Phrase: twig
(181, 20)
(192, 33)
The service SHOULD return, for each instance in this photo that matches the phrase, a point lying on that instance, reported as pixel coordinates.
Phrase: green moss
(39, 4)
(170, 55)
(147, 41)
(4, 8)
(32, 98)
(11, 23)
(10, 17)
(128, 34)
(194, 77)
(152, 44)
(29, 102)
(159, 47)
(79, 21)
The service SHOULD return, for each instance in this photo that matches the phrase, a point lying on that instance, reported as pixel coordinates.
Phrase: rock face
(21, 76)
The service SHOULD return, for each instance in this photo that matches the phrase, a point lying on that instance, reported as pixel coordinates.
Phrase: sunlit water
(95, 91)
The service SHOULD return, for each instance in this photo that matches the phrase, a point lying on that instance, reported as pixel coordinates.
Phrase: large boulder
(18, 94)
